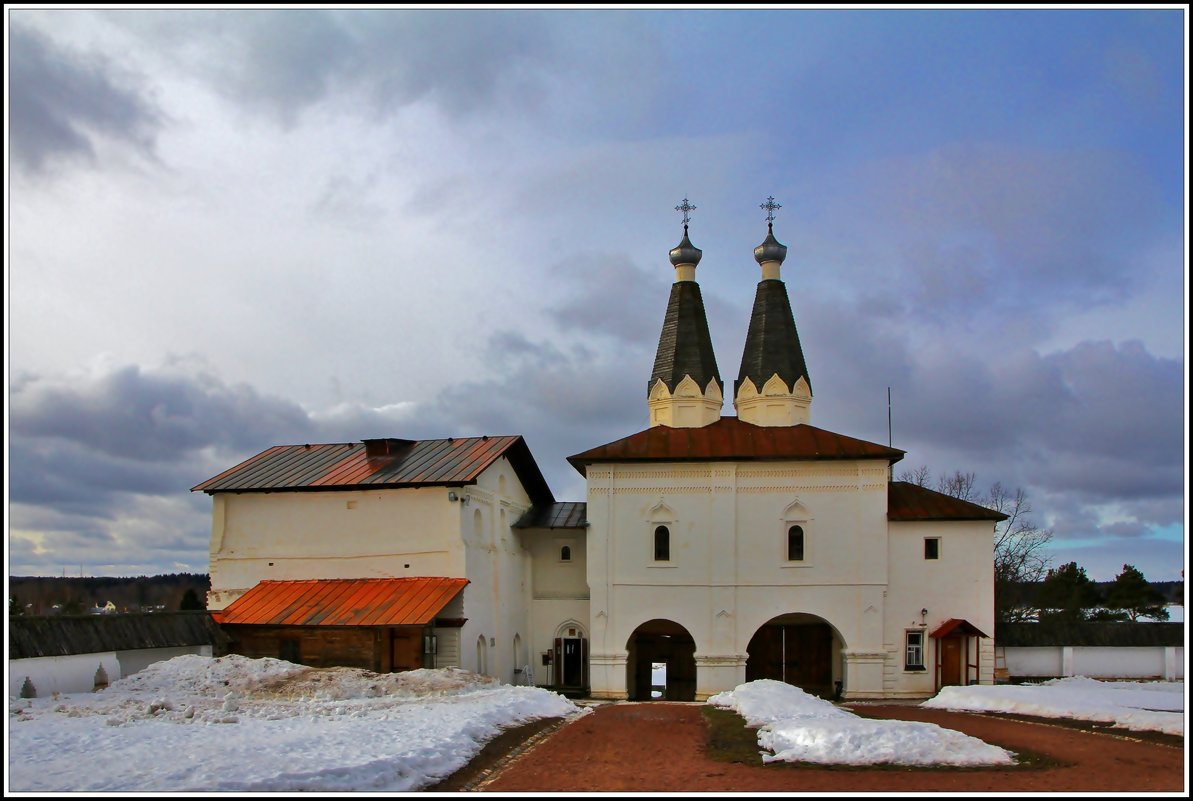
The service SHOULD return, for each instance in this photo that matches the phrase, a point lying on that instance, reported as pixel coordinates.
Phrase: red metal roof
(730, 439)
(906, 501)
(344, 602)
(955, 627)
(395, 463)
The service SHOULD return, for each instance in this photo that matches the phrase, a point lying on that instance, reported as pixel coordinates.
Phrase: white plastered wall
(559, 592)
(959, 584)
(495, 603)
(388, 533)
(728, 573)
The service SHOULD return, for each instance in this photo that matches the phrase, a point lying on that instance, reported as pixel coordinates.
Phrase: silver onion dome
(685, 252)
(770, 249)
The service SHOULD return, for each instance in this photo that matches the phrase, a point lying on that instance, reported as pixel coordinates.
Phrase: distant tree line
(69, 595)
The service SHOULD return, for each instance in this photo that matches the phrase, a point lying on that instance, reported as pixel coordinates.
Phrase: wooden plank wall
(318, 646)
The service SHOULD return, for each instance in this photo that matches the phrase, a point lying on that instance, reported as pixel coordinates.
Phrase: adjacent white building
(712, 550)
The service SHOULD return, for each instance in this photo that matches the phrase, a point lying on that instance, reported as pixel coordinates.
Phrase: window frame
(921, 645)
(796, 514)
(935, 557)
(803, 544)
(661, 527)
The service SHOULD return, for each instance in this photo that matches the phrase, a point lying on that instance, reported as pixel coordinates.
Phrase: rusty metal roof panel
(344, 602)
(730, 439)
(906, 502)
(411, 463)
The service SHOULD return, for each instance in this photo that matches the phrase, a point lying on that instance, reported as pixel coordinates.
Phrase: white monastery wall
(958, 584)
(389, 533)
(495, 603)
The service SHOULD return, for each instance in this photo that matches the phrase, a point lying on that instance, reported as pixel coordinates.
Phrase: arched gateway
(799, 649)
(662, 649)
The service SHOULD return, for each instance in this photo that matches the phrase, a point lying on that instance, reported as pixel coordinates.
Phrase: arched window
(795, 544)
(662, 544)
(565, 553)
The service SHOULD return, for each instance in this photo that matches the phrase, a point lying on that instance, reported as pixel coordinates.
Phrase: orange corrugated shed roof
(343, 602)
(955, 626)
(730, 439)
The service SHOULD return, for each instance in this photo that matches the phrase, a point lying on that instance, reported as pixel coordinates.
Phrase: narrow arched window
(662, 544)
(565, 553)
(795, 544)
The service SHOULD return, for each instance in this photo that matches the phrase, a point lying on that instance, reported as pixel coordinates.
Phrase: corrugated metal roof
(407, 463)
(568, 514)
(955, 627)
(91, 634)
(344, 602)
(730, 439)
(906, 501)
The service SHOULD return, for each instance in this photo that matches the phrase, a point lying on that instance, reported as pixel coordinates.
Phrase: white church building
(710, 550)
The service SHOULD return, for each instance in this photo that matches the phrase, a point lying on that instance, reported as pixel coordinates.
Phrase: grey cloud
(991, 229)
(153, 416)
(61, 102)
(285, 62)
(610, 296)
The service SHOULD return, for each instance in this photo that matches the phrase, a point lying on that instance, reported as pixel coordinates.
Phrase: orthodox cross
(770, 205)
(685, 207)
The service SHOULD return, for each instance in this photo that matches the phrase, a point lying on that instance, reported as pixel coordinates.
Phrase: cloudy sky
(230, 229)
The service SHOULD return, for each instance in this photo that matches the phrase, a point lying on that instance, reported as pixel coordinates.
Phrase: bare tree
(1021, 557)
(920, 476)
(960, 485)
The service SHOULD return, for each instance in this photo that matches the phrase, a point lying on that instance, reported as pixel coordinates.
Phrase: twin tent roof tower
(772, 386)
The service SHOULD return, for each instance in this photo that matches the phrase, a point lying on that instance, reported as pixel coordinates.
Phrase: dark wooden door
(812, 666)
(950, 662)
(573, 663)
(406, 650)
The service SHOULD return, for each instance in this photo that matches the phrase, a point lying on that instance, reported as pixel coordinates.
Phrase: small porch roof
(956, 627)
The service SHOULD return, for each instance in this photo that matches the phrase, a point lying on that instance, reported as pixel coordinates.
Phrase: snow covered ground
(1142, 706)
(797, 727)
(232, 724)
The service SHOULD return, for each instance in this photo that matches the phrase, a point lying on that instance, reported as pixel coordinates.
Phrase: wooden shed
(383, 625)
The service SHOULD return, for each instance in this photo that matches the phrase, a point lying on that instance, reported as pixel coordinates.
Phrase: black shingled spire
(685, 347)
(772, 343)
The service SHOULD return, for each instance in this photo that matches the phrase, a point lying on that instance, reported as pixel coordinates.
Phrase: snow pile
(798, 727)
(1142, 706)
(233, 724)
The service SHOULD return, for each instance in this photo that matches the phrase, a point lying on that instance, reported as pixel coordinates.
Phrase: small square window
(932, 547)
(914, 653)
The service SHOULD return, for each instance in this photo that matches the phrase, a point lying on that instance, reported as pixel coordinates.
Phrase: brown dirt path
(660, 747)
